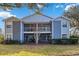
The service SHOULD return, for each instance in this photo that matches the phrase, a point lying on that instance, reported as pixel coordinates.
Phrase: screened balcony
(37, 27)
(29, 27)
(44, 27)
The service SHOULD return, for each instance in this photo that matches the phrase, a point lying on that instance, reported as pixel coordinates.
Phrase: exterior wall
(8, 31)
(16, 30)
(65, 30)
(56, 29)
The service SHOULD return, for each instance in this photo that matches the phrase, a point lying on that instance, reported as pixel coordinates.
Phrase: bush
(10, 42)
(73, 36)
(73, 41)
(56, 41)
(1, 38)
(65, 41)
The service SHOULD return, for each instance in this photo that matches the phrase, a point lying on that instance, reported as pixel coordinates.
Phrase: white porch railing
(34, 29)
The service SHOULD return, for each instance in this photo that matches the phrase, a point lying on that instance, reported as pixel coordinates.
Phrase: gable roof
(11, 19)
(36, 18)
(61, 17)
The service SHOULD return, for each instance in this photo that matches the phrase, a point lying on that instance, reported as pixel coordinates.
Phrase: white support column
(37, 37)
(21, 32)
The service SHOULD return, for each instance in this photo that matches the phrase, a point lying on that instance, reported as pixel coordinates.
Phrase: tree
(73, 14)
(34, 6)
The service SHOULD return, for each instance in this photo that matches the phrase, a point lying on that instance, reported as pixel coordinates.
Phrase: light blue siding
(57, 29)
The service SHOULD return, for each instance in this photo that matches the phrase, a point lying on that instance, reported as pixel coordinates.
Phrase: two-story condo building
(37, 27)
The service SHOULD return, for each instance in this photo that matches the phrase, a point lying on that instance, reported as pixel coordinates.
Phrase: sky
(53, 10)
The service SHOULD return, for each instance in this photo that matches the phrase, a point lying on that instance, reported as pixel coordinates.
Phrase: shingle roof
(37, 18)
(62, 17)
(11, 19)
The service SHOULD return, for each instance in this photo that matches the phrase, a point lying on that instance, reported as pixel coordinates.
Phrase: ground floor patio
(37, 38)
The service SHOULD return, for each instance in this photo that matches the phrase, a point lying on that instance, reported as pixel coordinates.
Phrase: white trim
(37, 38)
(35, 22)
(37, 32)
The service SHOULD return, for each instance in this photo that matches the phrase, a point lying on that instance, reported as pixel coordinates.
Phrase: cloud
(59, 6)
(70, 5)
(4, 14)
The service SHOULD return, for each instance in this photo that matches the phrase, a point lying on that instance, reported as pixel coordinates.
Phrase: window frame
(64, 24)
(9, 26)
(64, 35)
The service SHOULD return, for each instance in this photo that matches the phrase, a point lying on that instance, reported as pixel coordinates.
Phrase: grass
(38, 50)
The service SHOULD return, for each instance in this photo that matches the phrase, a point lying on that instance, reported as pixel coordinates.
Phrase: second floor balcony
(37, 27)
(29, 29)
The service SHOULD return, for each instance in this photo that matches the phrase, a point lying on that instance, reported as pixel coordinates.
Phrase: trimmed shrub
(65, 41)
(56, 41)
(10, 42)
(73, 36)
(73, 41)
(1, 38)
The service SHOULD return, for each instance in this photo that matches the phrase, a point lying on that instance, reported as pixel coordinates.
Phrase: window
(9, 36)
(8, 26)
(64, 24)
(64, 35)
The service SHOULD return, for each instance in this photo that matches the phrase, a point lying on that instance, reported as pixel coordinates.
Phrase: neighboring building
(36, 26)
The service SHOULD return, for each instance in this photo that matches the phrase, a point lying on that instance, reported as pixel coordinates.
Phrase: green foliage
(32, 6)
(73, 36)
(73, 41)
(65, 41)
(10, 42)
(1, 38)
(73, 14)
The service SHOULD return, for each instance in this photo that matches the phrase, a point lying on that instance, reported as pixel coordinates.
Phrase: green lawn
(39, 50)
